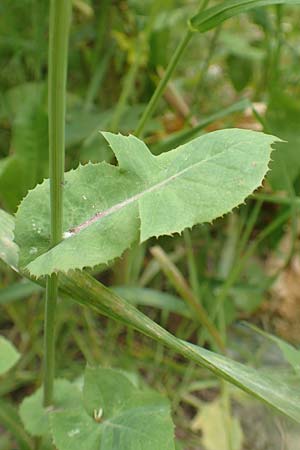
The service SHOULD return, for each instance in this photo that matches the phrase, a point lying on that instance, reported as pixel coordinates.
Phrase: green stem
(199, 88)
(60, 14)
(162, 84)
(49, 338)
(164, 80)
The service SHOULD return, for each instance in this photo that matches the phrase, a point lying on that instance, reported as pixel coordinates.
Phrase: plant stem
(164, 80)
(162, 84)
(200, 85)
(60, 14)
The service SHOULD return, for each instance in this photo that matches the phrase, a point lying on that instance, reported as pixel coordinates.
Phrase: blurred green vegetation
(243, 74)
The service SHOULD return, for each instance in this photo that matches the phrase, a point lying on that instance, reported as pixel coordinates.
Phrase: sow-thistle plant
(97, 212)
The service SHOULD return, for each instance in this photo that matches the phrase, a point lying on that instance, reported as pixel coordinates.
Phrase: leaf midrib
(100, 215)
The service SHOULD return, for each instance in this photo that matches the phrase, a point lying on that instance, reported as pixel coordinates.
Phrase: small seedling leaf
(35, 416)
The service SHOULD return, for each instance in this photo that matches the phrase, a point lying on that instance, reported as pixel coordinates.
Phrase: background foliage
(244, 73)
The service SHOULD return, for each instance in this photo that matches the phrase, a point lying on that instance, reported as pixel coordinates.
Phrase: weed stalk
(162, 84)
(60, 15)
(164, 80)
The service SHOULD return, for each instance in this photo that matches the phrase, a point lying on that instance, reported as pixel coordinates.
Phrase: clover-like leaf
(116, 415)
(282, 394)
(35, 416)
(107, 208)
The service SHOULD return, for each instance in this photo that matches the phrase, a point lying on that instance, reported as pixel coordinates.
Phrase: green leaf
(75, 430)
(128, 418)
(151, 297)
(106, 208)
(33, 414)
(30, 142)
(29, 163)
(9, 355)
(12, 188)
(239, 45)
(8, 249)
(82, 124)
(4, 163)
(282, 117)
(17, 291)
(277, 393)
(240, 71)
(212, 17)
(17, 97)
